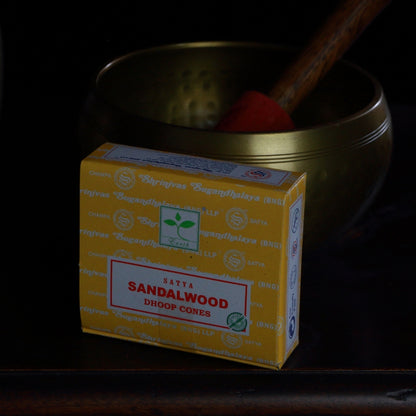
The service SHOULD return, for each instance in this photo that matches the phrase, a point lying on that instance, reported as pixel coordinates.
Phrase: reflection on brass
(169, 97)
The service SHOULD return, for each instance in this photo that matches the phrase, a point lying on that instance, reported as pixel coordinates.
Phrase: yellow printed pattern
(191, 253)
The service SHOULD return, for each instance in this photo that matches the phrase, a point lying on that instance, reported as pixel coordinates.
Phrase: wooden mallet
(257, 112)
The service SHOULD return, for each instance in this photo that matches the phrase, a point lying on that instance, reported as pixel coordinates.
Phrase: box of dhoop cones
(190, 253)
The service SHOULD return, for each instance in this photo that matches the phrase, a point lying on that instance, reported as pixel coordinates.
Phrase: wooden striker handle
(326, 47)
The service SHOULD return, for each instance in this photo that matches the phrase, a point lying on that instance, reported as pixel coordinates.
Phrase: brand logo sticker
(260, 174)
(179, 228)
(237, 321)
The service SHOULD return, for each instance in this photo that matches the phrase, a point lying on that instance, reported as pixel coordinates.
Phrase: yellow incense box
(190, 253)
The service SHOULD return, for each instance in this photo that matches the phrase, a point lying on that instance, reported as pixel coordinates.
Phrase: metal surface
(169, 97)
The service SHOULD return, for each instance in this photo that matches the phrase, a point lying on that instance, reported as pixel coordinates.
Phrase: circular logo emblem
(236, 218)
(124, 331)
(292, 327)
(234, 260)
(280, 325)
(124, 178)
(258, 173)
(123, 219)
(121, 253)
(295, 220)
(231, 340)
(237, 321)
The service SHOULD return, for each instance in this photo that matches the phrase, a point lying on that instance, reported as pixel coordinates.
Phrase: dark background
(51, 51)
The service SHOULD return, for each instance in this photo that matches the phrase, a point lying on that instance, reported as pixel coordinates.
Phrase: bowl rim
(378, 90)
(294, 136)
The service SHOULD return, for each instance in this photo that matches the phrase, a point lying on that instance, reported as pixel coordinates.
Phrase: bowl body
(170, 97)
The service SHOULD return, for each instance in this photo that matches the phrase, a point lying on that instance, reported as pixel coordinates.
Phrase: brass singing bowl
(170, 97)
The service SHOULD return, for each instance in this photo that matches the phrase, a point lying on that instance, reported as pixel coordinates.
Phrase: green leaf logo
(169, 222)
(186, 224)
(179, 225)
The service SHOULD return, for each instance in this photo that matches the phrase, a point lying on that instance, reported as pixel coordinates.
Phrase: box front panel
(182, 260)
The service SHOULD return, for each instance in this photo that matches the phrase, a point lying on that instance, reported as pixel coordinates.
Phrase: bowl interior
(193, 85)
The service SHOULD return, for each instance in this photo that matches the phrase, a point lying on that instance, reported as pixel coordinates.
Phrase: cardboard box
(190, 253)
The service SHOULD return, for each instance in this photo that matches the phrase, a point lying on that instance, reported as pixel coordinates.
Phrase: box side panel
(292, 273)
